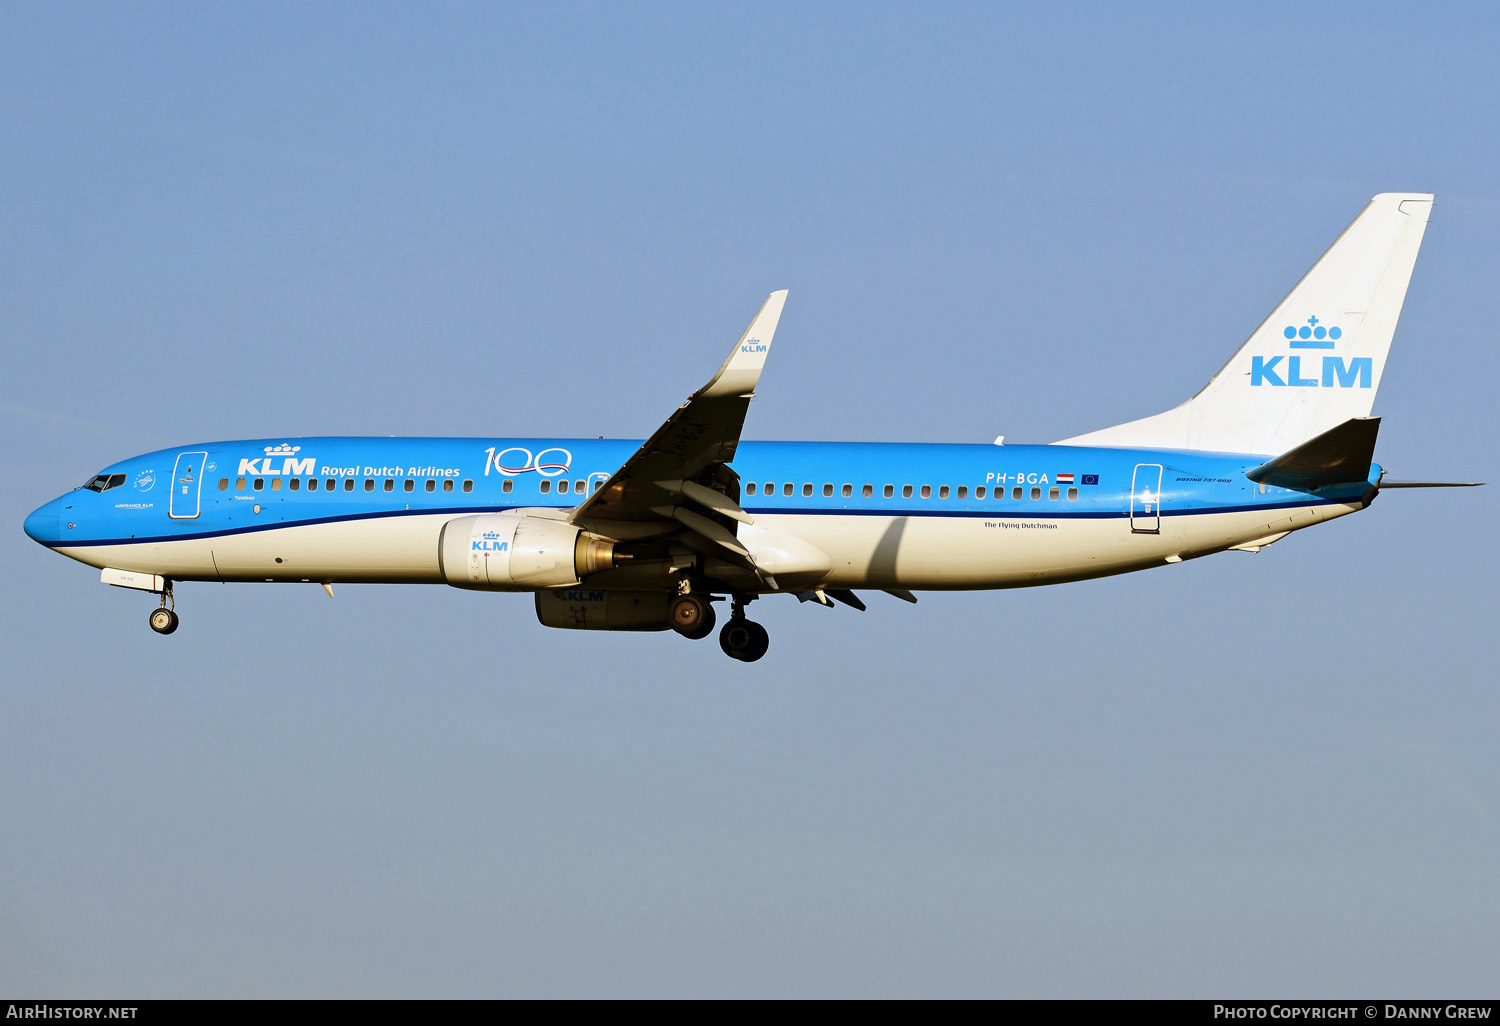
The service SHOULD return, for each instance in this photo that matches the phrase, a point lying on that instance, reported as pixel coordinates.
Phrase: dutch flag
(1064, 478)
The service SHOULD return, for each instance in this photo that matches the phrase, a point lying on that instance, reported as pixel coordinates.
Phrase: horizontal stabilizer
(1340, 455)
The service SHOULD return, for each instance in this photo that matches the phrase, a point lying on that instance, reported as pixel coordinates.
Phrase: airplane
(645, 536)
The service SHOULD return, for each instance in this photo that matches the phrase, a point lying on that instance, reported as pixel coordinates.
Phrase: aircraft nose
(41, 526)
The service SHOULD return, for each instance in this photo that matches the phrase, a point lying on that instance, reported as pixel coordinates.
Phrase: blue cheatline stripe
(913, 514)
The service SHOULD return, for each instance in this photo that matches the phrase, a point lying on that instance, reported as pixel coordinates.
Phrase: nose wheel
(163, 620)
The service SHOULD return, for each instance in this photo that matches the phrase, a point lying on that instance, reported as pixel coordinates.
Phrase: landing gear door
(187, 486)
(1145, 499)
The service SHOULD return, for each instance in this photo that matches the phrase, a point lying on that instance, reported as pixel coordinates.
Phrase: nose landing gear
(743, 639)
(163, 620)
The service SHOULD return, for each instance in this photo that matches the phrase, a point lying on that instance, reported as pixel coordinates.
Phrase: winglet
(741, 371)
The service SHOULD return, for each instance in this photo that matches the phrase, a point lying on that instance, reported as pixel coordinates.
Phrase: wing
(681, 476)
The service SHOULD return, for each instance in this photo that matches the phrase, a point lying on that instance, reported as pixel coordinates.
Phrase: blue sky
(1261, 775)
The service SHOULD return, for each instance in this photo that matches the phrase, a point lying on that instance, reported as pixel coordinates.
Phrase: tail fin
(1316, 361)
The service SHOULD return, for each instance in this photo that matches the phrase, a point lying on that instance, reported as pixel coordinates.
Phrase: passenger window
(275, 484)
(431, 485)
(963, 491)
(223, 484)
(328, 483)
(1036, 493)
(507, 486)
(348, 484)
(927, 491)
(867, 491)
(469, 486)
(448, 485)
(578, 487)
(390, 484)
(888, 491)
(978, 492)
(409, 485)
(786, 489)
(598, 484)
(943, 492)
(807, 489)
(828, 491)
(770, 488)
(312, 484)
(260, 483)
(1072, 494)
(295, 483)
(1015, 493)
(369, 484)
(848, 490)
(562, 486)
(1052, 494)
(546, 486)
(906, 491)
(750, 488)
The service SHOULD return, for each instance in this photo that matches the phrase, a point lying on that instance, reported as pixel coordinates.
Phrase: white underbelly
(397, 550)
(975, 552)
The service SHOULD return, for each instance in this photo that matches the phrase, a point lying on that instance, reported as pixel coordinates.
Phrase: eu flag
(1091, 479)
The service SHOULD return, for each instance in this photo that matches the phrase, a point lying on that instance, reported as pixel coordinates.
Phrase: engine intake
(519, 552)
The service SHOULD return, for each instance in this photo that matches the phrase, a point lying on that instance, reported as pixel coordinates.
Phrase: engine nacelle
(589, 609)
(519, 552)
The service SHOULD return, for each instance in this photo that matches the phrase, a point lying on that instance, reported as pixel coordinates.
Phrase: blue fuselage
(227, 488)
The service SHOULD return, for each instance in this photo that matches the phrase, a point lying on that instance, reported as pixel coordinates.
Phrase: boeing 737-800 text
(619, 535)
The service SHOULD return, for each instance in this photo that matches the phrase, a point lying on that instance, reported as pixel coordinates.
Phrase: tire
(163, 621)
(691, 616)
(744, 640)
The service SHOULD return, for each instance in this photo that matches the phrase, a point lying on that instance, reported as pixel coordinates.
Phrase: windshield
(104, 482)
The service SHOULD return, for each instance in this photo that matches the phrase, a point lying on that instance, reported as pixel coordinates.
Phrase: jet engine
(517, 551)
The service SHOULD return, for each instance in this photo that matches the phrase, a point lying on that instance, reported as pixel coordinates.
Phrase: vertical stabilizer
(1316, 362)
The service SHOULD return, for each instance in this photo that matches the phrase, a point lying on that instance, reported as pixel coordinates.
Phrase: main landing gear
(692, 616)
(164, 619)
(743, 639)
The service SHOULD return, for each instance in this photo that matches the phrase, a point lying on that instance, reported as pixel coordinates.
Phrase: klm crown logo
(489, 542)
(1312, 335)
(286, 454)
(1335, 372)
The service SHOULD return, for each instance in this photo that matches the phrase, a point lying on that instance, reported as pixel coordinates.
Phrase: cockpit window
(104, 482)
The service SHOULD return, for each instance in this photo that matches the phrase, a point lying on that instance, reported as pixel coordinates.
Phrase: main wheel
(744, 640)
(691, 616)
(163, 620)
